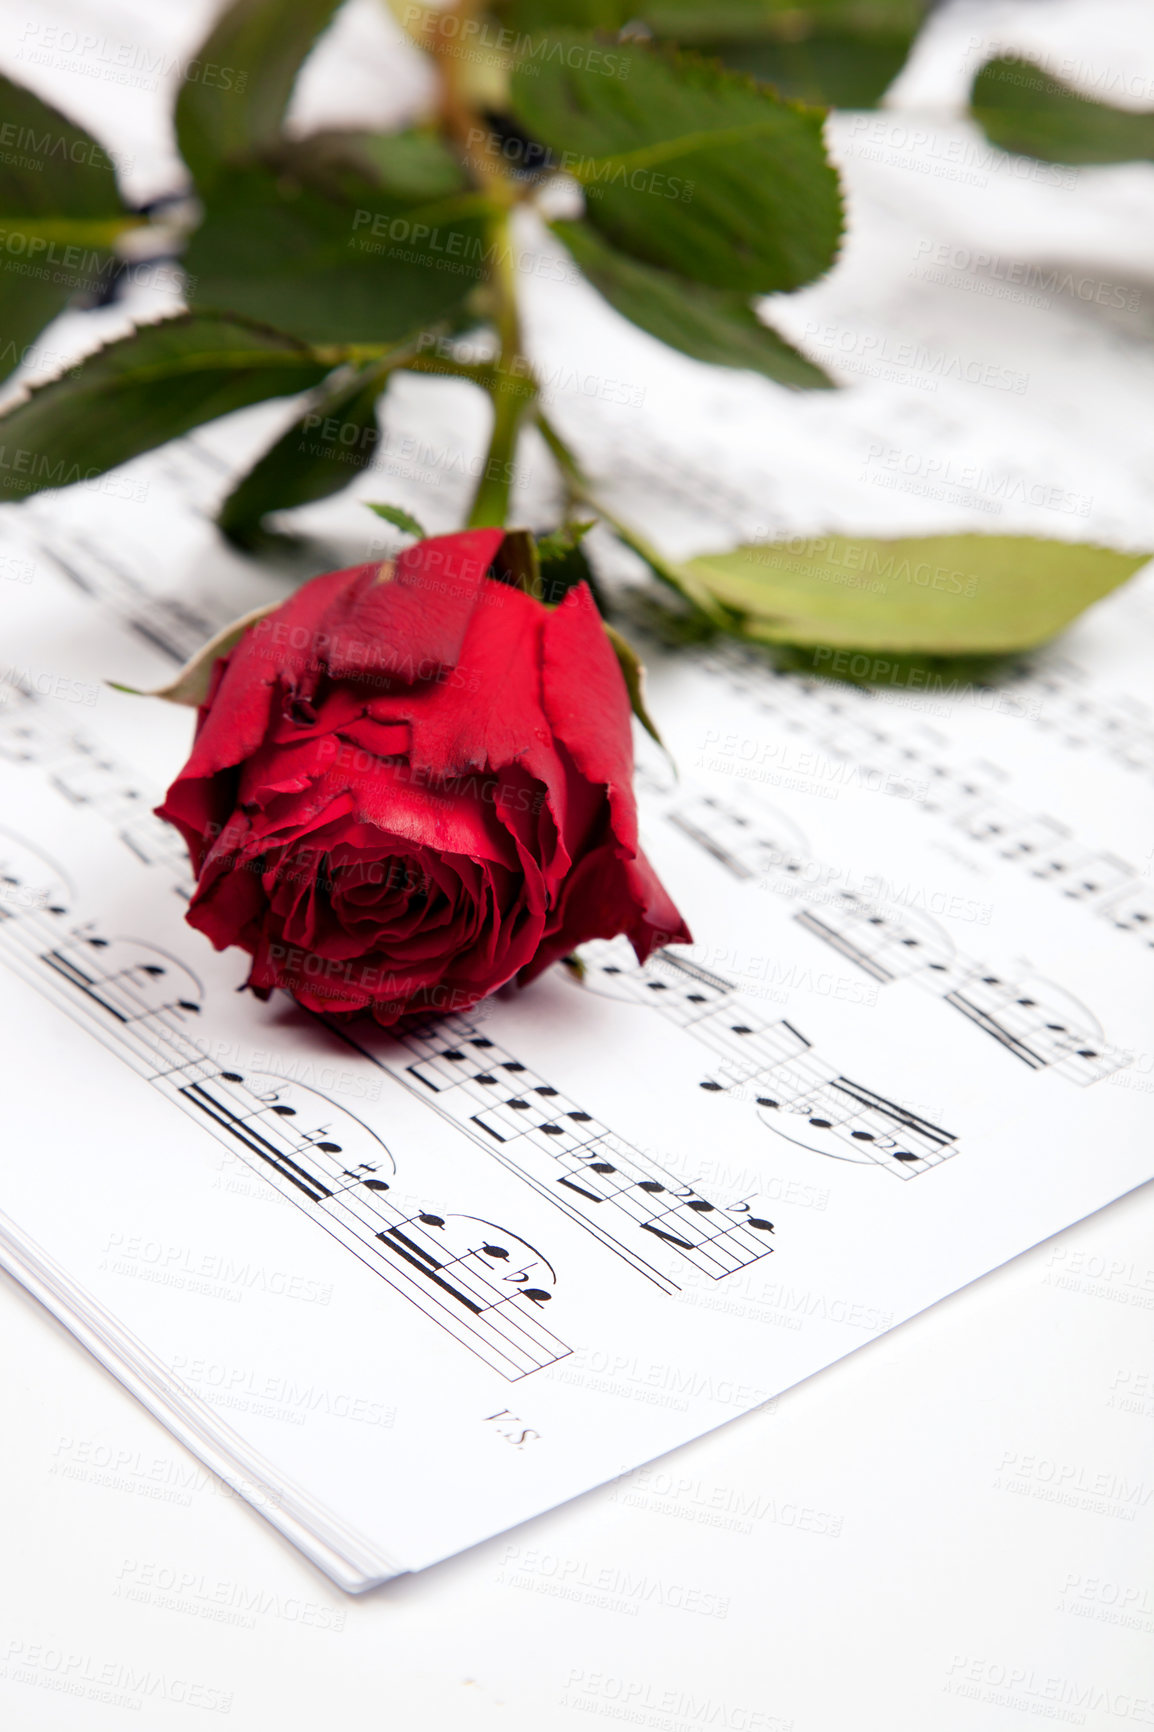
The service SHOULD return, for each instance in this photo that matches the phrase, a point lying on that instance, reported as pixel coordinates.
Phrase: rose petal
(411, 625)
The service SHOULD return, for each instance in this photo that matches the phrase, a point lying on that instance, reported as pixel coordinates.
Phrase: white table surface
(951, 1529)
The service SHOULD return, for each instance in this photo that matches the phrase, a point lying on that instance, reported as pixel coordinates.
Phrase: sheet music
(560, 1235)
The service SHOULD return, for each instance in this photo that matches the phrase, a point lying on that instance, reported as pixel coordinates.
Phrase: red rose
(410, 784)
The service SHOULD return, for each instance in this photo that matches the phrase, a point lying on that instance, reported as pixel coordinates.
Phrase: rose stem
(667, 570)
(509, 382)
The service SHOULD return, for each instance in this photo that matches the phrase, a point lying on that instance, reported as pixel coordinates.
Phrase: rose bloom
(412, 783)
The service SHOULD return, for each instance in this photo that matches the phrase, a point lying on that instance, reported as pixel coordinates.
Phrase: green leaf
(695, 21)
(942, 595)
(1022, 109)
(192, 683)
(322, 452)
(715, 325)
(684, 165)
(370, 270)
(698, 21)
(400, 519)
(60, 212)
(839, 53)
(53, 168)
(634, 672)
(416, 165)
(246, 70)
(143, 390)
(835, 67)
(26, 306)
(542, 15)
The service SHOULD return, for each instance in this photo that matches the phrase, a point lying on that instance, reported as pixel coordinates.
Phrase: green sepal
(191, 685)
(400, 519)
(633, 670)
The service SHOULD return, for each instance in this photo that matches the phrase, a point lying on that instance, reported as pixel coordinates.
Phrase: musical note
(885, 946)
(1121, 728)
(300, 1137)
(488, 1291)
(1048, 693)
(1133, 912)
(1014, 833)
(1036, 1022)
(1090, 875)
(29, 880)
(86, 775)
(849, 1122)
(89, 777)
(568, 1155)
(1029, 1029)
(156, 843)
(22, 741)
(130, 980)
(748, 845)
(917, 761)
(167, 623)
(771, 1064)
(889, 945)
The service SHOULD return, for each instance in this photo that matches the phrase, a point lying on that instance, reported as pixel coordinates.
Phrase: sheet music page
(528, 1250)
(543, 1243)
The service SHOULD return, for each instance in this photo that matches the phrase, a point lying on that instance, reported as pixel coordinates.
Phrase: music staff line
(105, 572)
(139, 1004)
(1122, 728)
(887, 947)
(86, 775)
(968, 796)
(1048, 695)
(796, 1092)
(537, 1132)
(82, 774)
